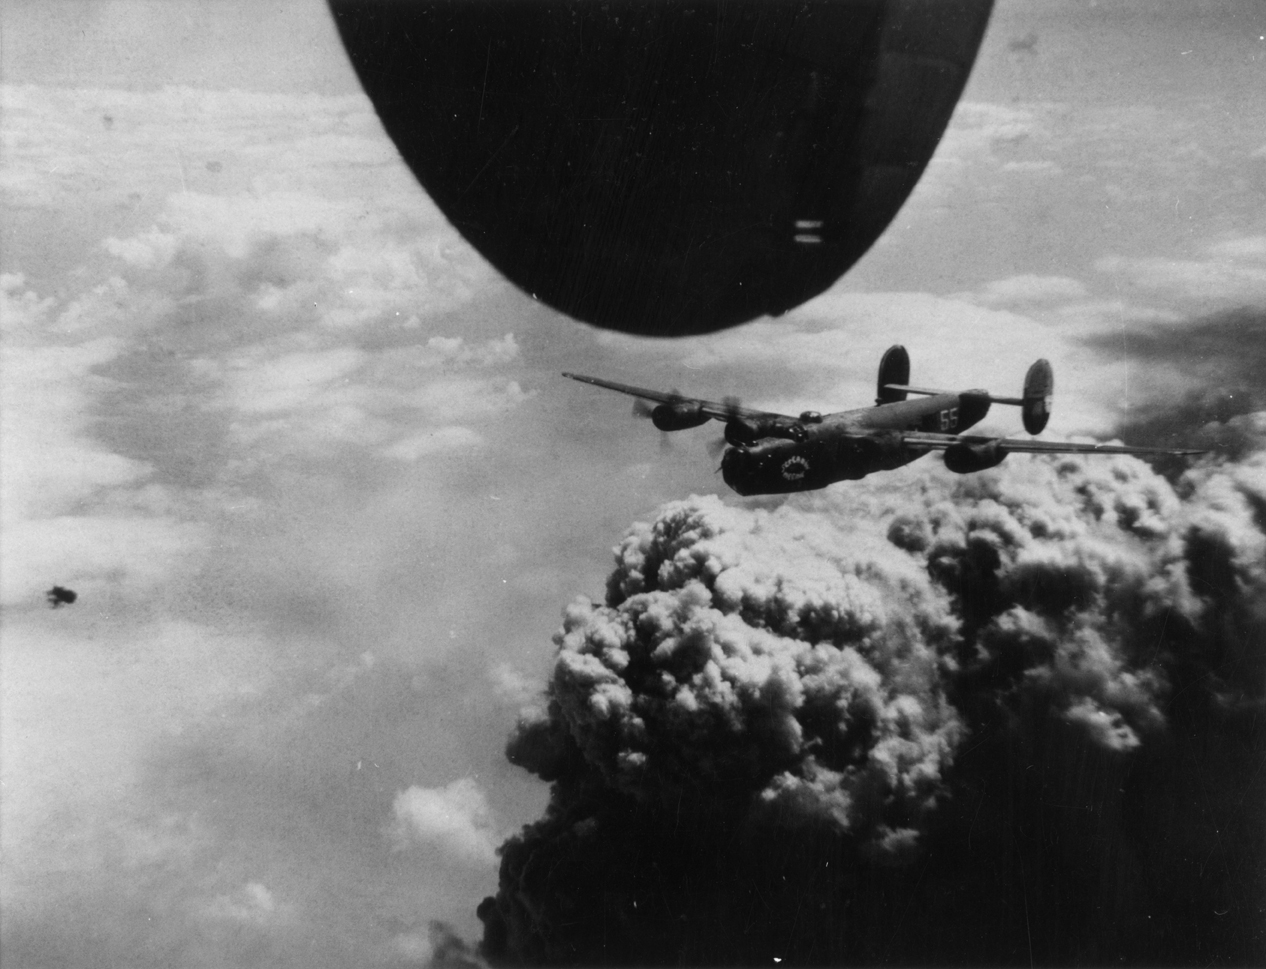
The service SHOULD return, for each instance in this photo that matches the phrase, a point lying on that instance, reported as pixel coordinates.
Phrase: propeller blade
(717, 446)
(643, 410)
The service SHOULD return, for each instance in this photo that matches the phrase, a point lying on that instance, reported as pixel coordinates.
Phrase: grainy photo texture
(341, 629)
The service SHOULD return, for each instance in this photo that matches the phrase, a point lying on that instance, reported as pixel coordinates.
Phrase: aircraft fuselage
(830, 450)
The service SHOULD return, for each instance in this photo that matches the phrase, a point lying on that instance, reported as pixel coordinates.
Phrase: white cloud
(442, 440)
(1065, 306)
(1248, 248)
(436, 945)
(989, 136)
(1108, 728)
(979, 122)
(514, 687)
(134, 554)
(1228, 270)
(252, 904)
(455, 819)
(269, 294)
(1039, 167)
(72, 511)
(405, 404)
(456, 350)
(290, 381)
(59, 147)
(234, 222)
(1026, 289)
(84, 699)
(406, 366)
(413, 947)
(149, 250)
(455, 398)
(49, 463)
(244, 322)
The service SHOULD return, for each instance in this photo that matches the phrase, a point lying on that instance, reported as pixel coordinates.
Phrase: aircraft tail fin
(1039, 385)
(1035, 405)
(894, 375)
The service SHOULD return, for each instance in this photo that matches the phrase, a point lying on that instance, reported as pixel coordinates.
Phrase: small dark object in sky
(666, 168)
(59, 596)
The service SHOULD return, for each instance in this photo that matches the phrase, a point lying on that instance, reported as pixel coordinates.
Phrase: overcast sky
(308, 463)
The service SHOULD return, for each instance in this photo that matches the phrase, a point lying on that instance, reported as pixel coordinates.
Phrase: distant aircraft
(60, 596)
(775, 454)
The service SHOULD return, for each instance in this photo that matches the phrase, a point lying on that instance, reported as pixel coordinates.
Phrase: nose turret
(774, 467)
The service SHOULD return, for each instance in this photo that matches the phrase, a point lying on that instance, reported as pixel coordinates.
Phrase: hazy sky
(308, 463)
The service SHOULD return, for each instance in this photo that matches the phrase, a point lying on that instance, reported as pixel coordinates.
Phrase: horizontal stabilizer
(905, 388)
(932, 392)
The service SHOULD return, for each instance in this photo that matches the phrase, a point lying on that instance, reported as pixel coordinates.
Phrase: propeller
(643, 410)
(718, 444)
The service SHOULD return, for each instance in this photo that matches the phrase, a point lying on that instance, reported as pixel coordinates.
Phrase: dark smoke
(1008, 718)
(1223, 358)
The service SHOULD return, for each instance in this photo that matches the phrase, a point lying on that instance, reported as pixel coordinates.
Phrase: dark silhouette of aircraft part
(772, 453)
(894, 371)
(666, 168)
(59, 596)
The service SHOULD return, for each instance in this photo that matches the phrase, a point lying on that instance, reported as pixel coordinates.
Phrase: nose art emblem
(793, 469)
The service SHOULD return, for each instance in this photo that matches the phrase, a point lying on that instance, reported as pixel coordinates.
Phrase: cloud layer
(238, 412)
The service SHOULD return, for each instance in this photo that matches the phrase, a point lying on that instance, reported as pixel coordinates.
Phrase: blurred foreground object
(666, 168)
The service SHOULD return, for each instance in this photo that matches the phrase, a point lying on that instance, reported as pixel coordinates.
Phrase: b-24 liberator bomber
(772, 453)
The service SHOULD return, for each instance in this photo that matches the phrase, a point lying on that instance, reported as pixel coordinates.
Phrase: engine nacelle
(678, 417)
(966, 458)
(740, 431)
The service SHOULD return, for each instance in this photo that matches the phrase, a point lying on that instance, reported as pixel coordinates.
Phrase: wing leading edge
(939, 442)
(723, 411)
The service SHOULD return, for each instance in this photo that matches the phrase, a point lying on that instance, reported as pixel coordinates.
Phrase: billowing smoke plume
(1009, 717)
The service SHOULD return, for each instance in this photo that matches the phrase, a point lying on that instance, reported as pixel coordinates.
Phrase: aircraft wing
(723, 411)
(939, 442)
